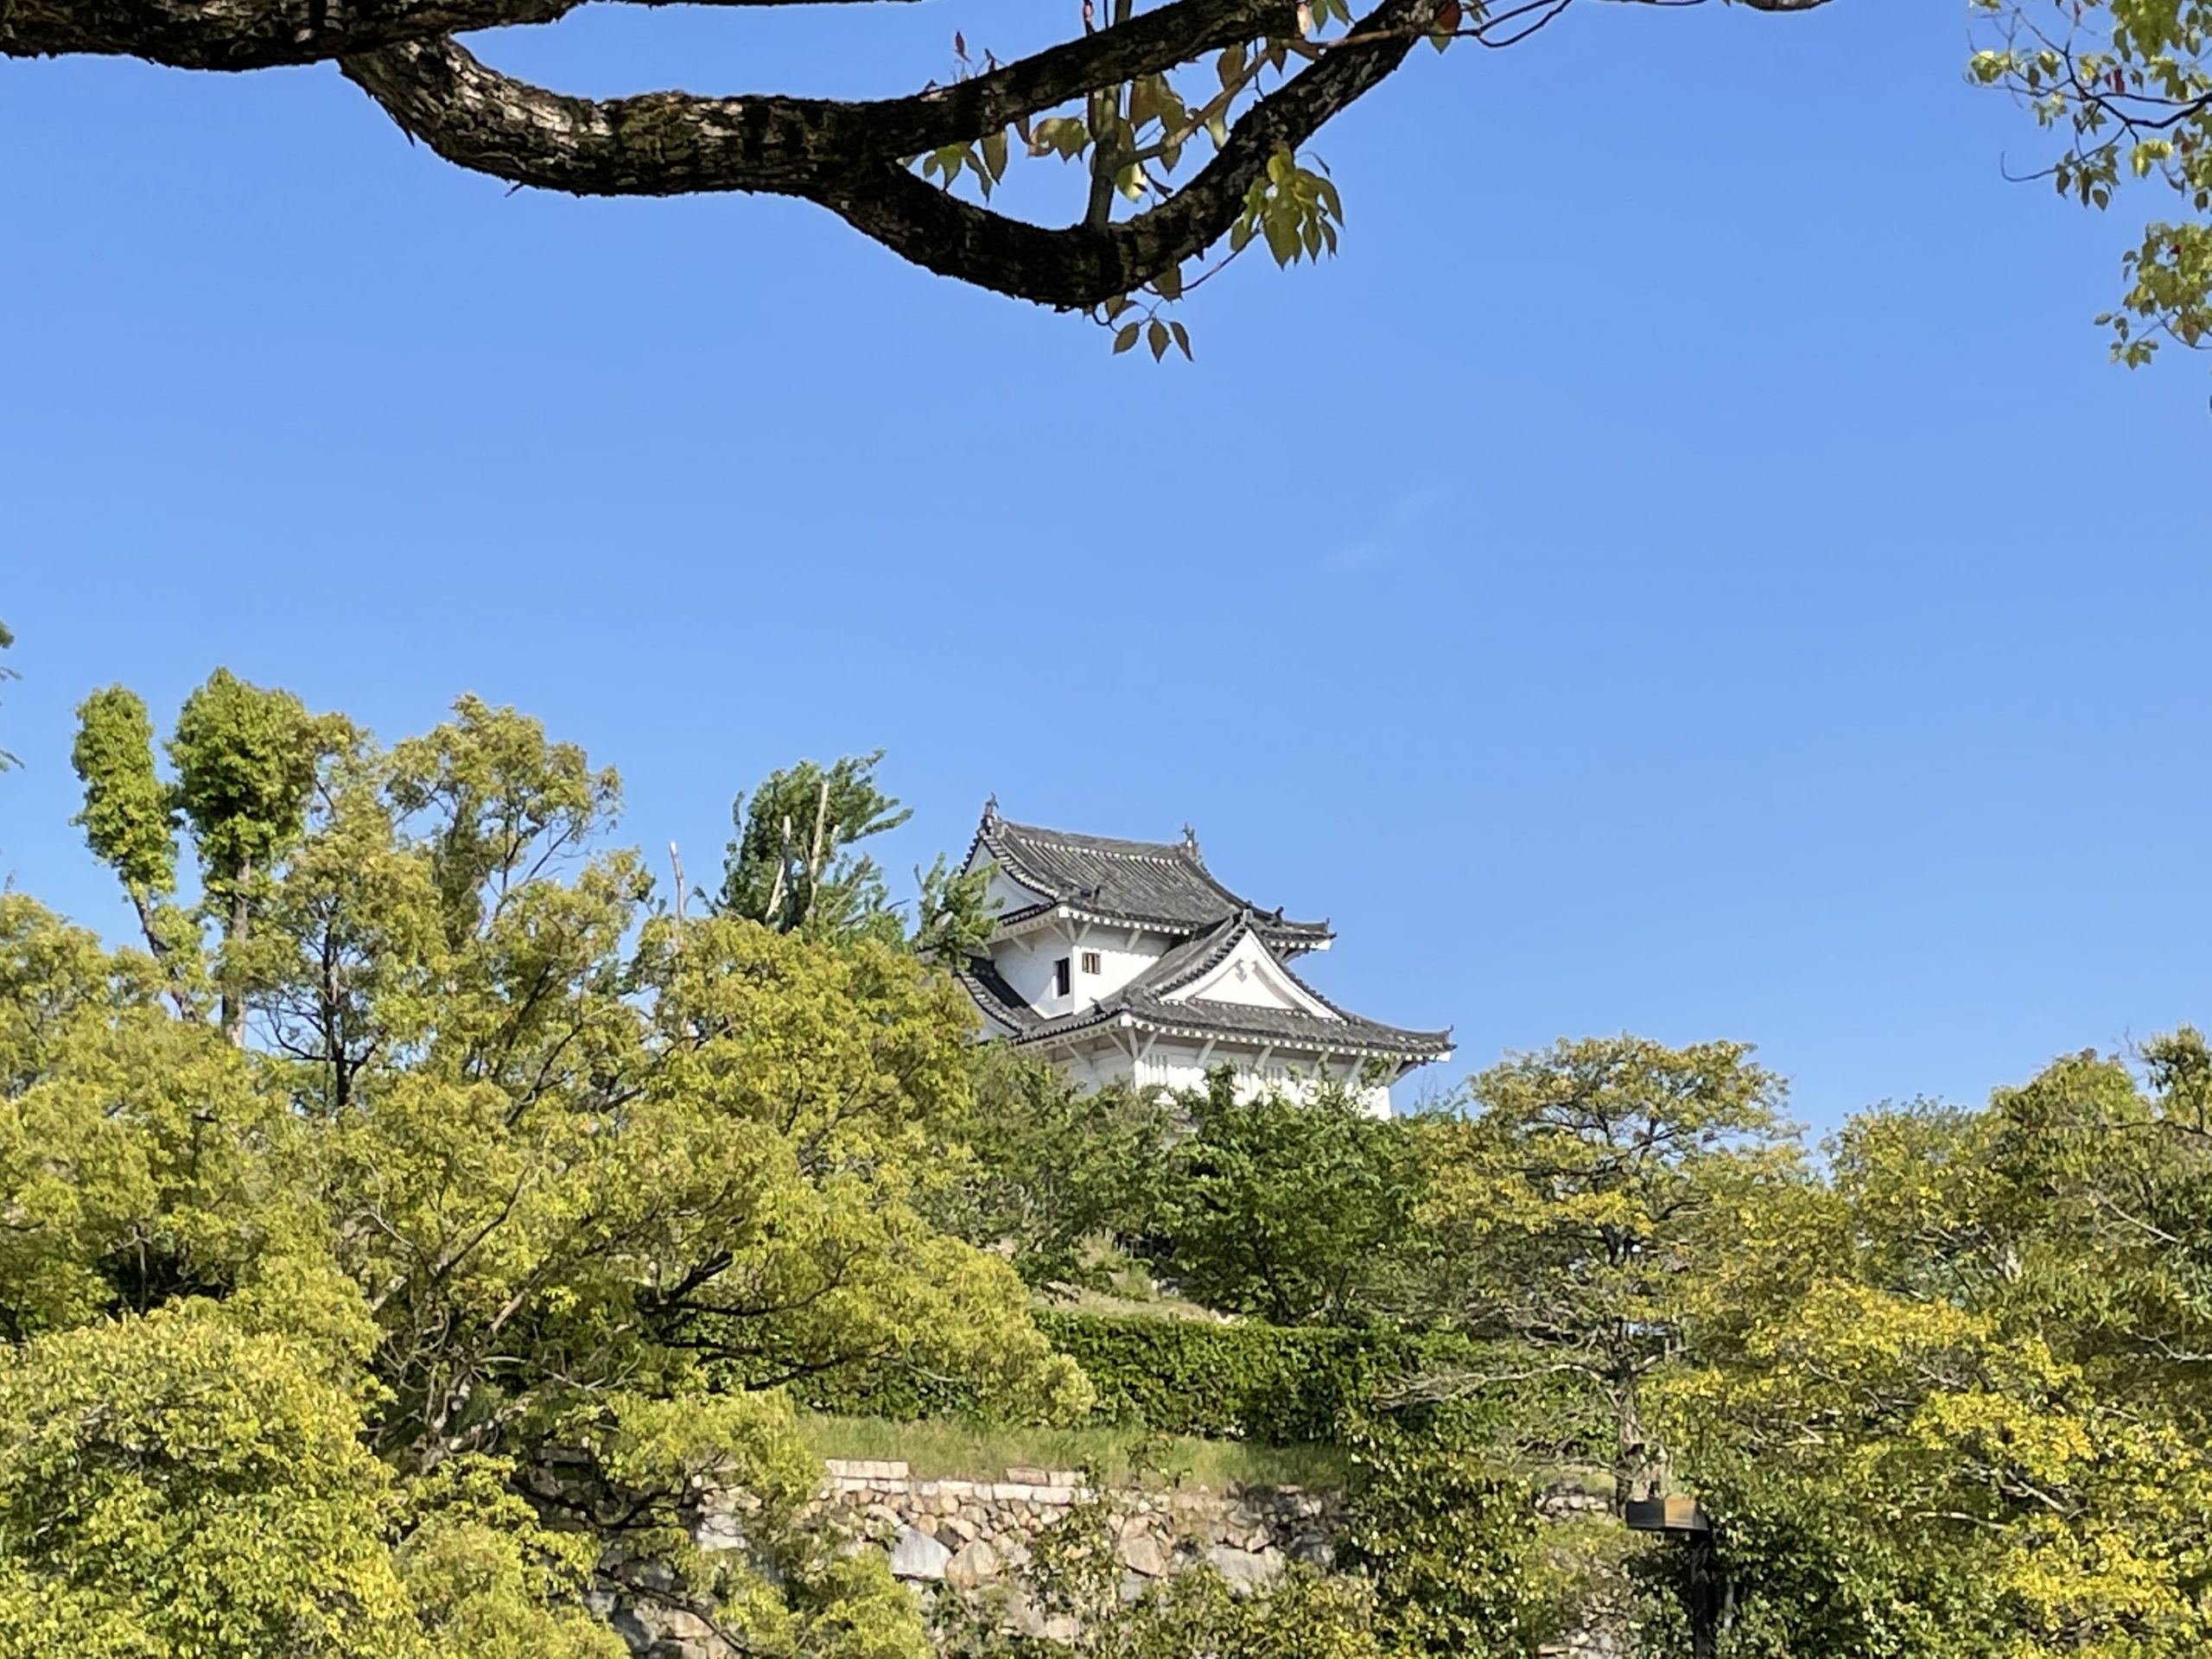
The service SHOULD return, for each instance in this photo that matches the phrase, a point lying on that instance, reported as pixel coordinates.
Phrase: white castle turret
(1126, 959)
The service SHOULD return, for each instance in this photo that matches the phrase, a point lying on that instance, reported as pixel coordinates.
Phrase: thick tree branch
(1079, 266)
(269, 34)
(848, 155)
(677, 144)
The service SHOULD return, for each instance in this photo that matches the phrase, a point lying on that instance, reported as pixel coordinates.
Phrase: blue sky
(1687, 568)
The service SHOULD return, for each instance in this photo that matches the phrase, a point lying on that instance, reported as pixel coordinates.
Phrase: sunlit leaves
(1133, 140)
(1951, 1403)
(1295, 210)
(2127, 85)
(506, 1157)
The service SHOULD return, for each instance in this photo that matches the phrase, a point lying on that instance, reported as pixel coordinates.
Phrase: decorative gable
(1250, 976)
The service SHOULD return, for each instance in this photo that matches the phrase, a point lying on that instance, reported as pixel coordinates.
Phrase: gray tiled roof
(1162, 883)
(1144, 1001)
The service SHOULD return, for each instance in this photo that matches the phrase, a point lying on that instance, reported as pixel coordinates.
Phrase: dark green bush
(1280, 1386)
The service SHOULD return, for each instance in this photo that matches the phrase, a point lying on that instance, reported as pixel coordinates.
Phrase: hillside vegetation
(400, 1228)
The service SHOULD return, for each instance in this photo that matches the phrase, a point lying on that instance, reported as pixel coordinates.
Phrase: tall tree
(245, 760)
(1569, 1218)
(1956, 1402)
(543, 1169)
(129, 820)
(916, 172)
(794, 865)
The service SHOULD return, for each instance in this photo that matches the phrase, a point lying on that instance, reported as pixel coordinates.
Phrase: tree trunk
(1632, 1458)
(233, 1011)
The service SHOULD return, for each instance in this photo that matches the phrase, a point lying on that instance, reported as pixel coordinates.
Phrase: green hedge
(1276, 1385)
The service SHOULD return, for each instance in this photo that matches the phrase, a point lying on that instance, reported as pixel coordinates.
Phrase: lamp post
(1681, 1518)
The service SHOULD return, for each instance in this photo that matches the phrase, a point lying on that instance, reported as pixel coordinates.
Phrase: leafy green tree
(1291, 1209)
(576, 1187)
(181, 1484)
(245, 759)
(1956, 1403)
(792, 864)
(130, 820)
(793, 867)
(1063, 1179)
(1567, 1221)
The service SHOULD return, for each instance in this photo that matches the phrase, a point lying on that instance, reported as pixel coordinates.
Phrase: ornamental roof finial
(1190, 839)
(991, 810)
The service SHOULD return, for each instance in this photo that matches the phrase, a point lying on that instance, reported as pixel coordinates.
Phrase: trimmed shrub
(1277, 1385)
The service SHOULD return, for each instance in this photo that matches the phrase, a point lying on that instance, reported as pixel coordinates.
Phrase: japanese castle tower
(1126, 959)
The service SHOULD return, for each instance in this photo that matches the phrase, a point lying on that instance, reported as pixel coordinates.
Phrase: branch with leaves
(2128, 89)
(1103, 97)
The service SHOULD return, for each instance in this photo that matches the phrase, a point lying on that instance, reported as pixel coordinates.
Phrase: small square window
(1090, 961)
(1060, 977)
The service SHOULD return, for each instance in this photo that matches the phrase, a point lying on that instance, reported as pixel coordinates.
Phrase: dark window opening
(1090, 961)
(1060, 977)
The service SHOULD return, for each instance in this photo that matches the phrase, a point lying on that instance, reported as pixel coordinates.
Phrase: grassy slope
(949, 1448)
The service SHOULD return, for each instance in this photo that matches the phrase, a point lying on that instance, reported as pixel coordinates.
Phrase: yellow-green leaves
(173, 1486)
(1578, 1209)
(2127, 85)
(1948, 1405)
(128, 815)
(510, 1166)
(1295, 210)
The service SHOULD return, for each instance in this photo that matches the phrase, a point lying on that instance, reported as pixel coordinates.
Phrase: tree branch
(849, 156)
(238, 35)
(678, 143)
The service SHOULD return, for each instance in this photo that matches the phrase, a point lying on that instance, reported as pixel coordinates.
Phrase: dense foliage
(396, 1234)
(1246, 1380)
(418, 1153)
(1450, 1546)
(1288, 1211)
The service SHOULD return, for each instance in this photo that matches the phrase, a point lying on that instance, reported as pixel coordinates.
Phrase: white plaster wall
(1175, 1066)
(1025, 960)
(1026, 964)
(1119, 960)
(1096, 1071)
(1003, 890)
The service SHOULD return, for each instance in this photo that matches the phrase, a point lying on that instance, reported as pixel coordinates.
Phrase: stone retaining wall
(971, 1537)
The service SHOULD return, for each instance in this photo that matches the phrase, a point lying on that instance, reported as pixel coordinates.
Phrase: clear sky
(1687, 568)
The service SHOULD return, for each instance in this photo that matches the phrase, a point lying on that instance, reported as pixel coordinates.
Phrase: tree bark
(850, 157)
